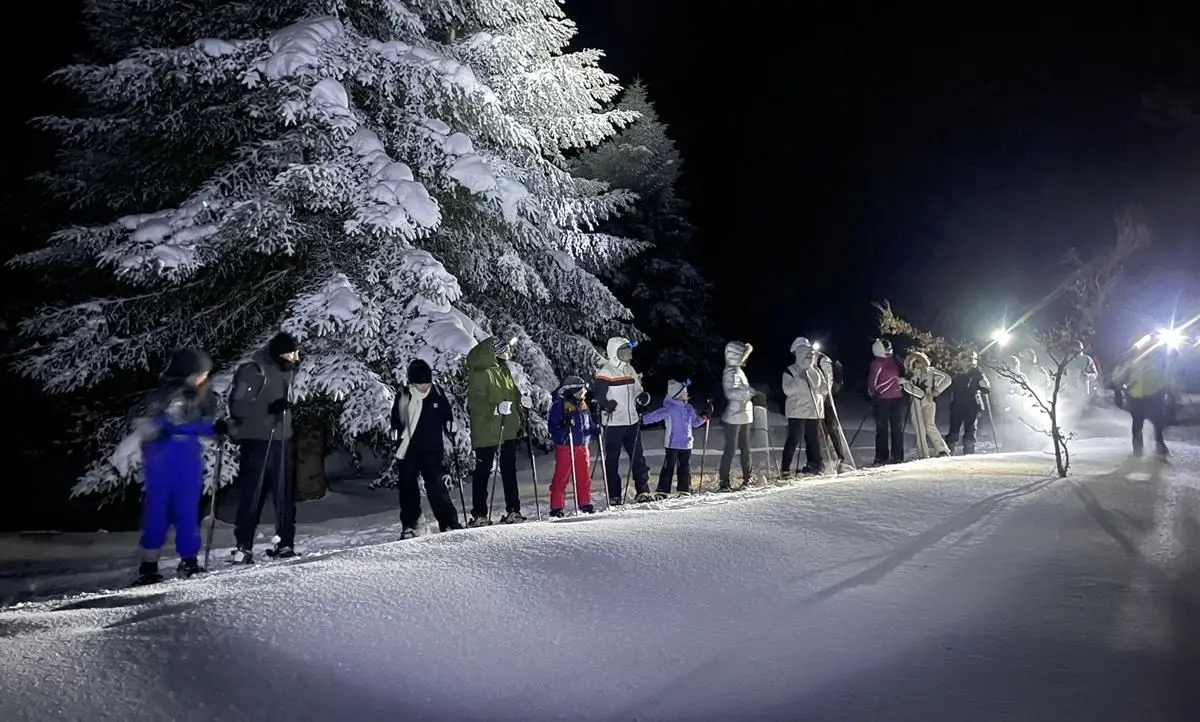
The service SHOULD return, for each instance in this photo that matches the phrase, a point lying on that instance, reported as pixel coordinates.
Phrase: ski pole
(841, 435)
(537, 504)
(704, 452)
(571, 449)
(601, 440)
(987, 406)
(496, 469)
(861, 424)
(212, 507)
(462, 499)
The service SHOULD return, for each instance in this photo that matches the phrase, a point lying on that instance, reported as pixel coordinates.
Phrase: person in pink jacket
(887, 403)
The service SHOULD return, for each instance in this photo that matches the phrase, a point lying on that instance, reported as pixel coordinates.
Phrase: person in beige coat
(926, 384)
(805, 386)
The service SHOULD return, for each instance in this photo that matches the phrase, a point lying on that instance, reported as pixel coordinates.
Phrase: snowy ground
(949, 589)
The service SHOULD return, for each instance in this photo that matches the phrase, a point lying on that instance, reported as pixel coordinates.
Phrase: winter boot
(512, 517)
(587, 509)
(241, 555)
(408, 533)
(452, 526)
(785, 474)
(148, 574)
(643, 497)
(1161, 451)
(724, 486)
(478, 521)
(558, 513)
(281, 551)
(616, 501)
(189, 567)
(682, 493)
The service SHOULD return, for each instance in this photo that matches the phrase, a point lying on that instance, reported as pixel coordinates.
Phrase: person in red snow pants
(571, 429)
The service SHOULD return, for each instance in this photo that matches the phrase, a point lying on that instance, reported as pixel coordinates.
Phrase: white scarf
(415, 402)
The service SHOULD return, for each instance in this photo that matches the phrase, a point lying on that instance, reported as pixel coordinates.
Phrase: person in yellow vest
(1146, 385)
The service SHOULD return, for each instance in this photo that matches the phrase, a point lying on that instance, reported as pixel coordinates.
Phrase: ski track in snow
(969, 588)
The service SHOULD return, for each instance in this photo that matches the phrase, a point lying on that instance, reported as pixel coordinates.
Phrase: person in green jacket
(497, 411)
(1146, 384)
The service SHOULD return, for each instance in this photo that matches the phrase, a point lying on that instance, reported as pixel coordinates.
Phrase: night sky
(842, 158)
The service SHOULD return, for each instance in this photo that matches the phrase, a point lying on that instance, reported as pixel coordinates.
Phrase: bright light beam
(1001, 337)
(1172, 338)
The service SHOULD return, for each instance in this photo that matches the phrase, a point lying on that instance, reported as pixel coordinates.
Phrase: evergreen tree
(385, 180)
(667, 294)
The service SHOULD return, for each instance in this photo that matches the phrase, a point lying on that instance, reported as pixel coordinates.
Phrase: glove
(643, 399)
(610, 405)
(526, 402)
(278, 406)
(504, 408)
(221, 427)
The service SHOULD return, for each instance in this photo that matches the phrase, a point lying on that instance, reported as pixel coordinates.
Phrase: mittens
(504, 408)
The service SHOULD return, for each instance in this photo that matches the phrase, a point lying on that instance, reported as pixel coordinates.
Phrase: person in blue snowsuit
(177, 414)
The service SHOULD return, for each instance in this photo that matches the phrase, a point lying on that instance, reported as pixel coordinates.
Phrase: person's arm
(736, 391)
(655, 416)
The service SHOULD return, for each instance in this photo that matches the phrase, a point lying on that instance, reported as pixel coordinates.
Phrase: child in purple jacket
(681, 418)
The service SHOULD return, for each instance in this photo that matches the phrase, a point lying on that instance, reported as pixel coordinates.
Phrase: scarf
(416, 401)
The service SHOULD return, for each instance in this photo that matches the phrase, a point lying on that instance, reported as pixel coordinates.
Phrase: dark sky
(836, 159)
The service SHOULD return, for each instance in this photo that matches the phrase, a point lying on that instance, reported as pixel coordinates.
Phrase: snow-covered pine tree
(668, 295)
(384, 180)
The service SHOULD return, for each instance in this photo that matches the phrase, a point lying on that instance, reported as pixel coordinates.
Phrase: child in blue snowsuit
(177, 414)
(681, 418)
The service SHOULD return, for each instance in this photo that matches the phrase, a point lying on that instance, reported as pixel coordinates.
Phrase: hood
(918, 360)
(482, 356)
(614, 344)
(800, 345)
(185, 363)
(736, 353)
(882, 347)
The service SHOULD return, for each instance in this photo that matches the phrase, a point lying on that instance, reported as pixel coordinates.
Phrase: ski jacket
(739, 396)
(256, 385)
(435, 422)
(967, 388)
(170, 428)
(680, 417)
(618, 381)
(570, 419)
(805, 387)
(929, 380)
(489, 382)
(1145, 378)
(883, 379)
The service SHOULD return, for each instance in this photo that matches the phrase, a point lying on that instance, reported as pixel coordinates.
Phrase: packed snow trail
(949, 589)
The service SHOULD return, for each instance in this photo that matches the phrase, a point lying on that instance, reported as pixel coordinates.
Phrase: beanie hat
(882, 347)
(800, 343)
(281, 343)
(187, 362)
(674, 389)
(503, 345)
(572, 384)
(419, 372)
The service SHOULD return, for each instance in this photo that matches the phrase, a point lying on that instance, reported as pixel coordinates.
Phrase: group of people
(612, 410)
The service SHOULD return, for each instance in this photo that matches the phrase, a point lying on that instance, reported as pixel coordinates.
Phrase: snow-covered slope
(948, 589)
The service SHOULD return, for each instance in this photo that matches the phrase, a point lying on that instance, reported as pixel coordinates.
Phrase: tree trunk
(310, 464)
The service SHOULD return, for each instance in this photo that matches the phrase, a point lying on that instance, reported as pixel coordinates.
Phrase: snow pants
(808, 430)
(737, 440)
(628, 438)
(1152, 409)
(964, 419)
(424, 464)
(174, 485)
(933, 437)
(889, 430)
(676, 462)
(266, 468)
(562, 476)
(485, 459)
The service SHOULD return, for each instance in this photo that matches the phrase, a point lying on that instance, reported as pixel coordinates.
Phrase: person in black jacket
(966, 401)
(421, 418)
(260, 412)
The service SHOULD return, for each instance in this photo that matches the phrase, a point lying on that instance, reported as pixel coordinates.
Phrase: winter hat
(882, 347)
(187, 362)
(572, 384)
(674, 388)
(281, 343)
(419, 372)
(503, 345)
(801, 343)
(917, 360)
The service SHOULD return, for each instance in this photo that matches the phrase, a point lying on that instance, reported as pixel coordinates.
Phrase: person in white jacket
(618, 391)
(929, 383)
(739, 414)
(806, 387)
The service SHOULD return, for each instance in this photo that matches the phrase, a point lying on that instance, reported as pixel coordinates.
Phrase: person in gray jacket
(739, 414)
(805, 386)
(260, 404)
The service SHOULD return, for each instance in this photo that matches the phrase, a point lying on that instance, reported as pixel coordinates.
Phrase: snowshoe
(682, 494)
(408, 533)
(587, 509)
(810, 471)
(643, 497)
(147, 574)
(478, 521)
(450, 527)
(241, 555)
(661, 495)
(785, 475)
(281, 552)
(557, 513)
(189, 568)
(512, 517)
(724, 487)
